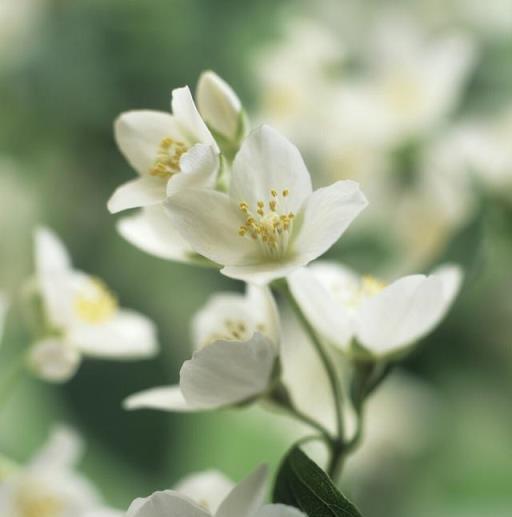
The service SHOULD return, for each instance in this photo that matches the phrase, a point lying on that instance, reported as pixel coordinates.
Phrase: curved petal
(328, 317)
(218, 104)
(268, 161)
(50, 253)
(245, 499)
(189, 119)
(278, 510)
(261, 273)
(228, 372)
(63, 450)
(210, 222)
(199, 168)
(139, 134)
(208, 488)
(325, 216)
(152, 231)
(54, 360)
(127, 335)
(406, 311)
(164, 398)
(263, 305)
(167, 503)
(144, 191)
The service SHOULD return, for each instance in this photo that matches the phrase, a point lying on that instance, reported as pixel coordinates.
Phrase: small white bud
(219, 105)
(53, 360)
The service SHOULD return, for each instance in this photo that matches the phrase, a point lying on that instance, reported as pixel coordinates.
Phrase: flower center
(270, 225)
(167, 162)
(234, 330)
(95, 303)
(38, 504)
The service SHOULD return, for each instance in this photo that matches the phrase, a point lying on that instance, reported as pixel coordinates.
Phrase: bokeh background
(412, 99)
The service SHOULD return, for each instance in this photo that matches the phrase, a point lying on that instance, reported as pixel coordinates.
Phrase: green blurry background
(67, 69)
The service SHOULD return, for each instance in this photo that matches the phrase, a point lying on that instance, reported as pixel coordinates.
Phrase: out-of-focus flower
(49, 485)
(81, 317)
(362, 315)
(220, 107)
(168, 151)
(236, 338)
(271, 222)
(244, 500)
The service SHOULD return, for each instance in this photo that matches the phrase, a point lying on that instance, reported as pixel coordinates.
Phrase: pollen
(95, 304)
(167, 162)
(270, 223)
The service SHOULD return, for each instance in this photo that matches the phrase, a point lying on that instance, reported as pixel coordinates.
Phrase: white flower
(236, 339)
(244, 500)
(348, 310)
(271, 222)
(220, 106)
(49, 486)
(82, 316)
(169, 151)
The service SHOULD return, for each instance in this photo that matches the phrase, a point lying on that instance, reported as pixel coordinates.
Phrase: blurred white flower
(82, 316)
(353, 312)
(220, 107)
(168, 151)
(271, 222)
(236, 339)
(244, 500)
(49, 485)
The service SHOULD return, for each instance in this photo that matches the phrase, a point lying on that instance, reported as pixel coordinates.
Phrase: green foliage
(303, 484)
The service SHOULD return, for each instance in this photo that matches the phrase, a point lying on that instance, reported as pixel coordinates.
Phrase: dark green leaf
(303, 484)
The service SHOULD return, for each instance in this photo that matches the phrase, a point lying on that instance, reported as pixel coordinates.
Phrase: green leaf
(303, 484)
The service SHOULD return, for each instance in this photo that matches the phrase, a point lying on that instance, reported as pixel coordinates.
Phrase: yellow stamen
(168, 158)
(96, 304)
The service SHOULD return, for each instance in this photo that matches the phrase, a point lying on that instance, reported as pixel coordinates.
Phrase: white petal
(245, 499)
(325, 216)
(105, 512)
(50, 253)
(218, 104)
(165, 504)
(127, 335)
(328, 317)
(406, 311)
(210, 222)
(263, 305)
(54, 360)
(63, 450)
(139, 134)
(279, 510)
(228, 372)
(152, 231)
(207, 489)
(144, 191)
(189, 119)
(262, 273)
(268, 161)
(164, 398)
(199, 168)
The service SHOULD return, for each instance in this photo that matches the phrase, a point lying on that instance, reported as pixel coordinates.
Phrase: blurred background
(412, 99)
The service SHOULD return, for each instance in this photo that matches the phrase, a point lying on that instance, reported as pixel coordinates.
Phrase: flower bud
(53, 360)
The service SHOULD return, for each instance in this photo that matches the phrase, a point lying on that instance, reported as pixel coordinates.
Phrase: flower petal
(228, 372)
(164, 398)
(63, 450)
(327, 316)
(245, 499)
(325, 216)
(406, 311)
(152, 231)
(208, 488)
(189, 119)
(268, 161)
(50, 253)
(262, 302)
(139, 134)
(54, 360)
(127, 335)
(210, 222)
(144, 191)
(263, 273)
(199, 168)
(278, 510)
(167, 503)
(218, 104)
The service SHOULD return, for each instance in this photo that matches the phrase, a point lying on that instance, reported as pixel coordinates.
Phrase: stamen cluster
(168, 158)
